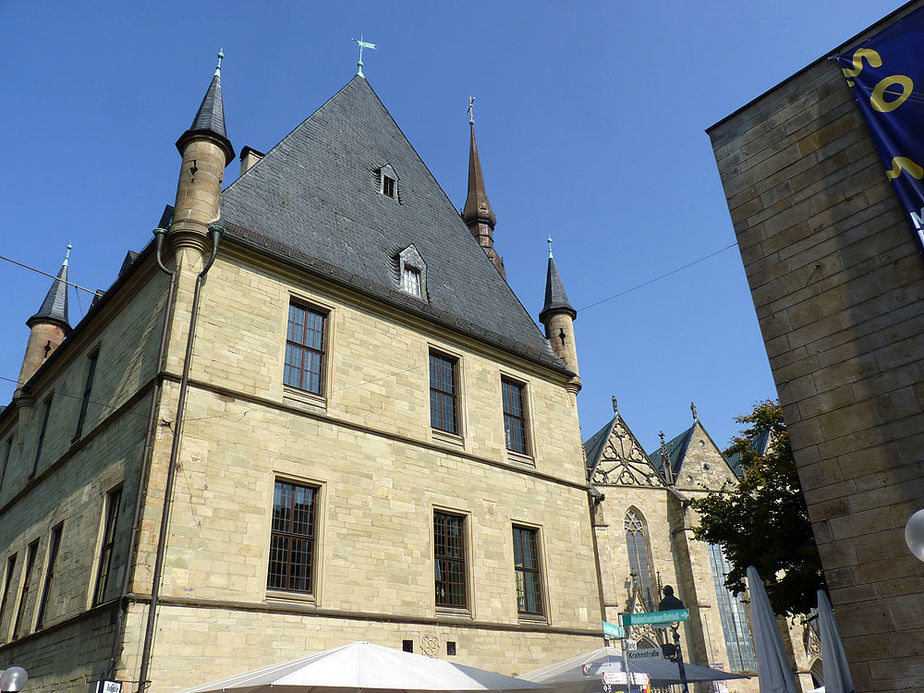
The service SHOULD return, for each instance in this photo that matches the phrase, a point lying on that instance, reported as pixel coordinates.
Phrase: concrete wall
(838, 284)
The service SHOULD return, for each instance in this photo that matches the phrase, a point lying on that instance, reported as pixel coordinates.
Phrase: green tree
(764, 521)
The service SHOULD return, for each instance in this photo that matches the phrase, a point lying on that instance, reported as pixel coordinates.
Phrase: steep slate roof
(676, 450)
(314, 199)
(556, 300)
(210, 119)
(759, 443)
(54, 307)
(593, 446)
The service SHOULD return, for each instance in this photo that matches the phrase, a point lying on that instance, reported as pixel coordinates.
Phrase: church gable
(703, 464)
(621, 461)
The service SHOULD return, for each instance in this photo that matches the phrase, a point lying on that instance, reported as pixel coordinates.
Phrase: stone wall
(838, 281)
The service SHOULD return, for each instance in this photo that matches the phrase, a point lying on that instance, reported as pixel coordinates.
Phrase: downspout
(215, 233)
(146, 459)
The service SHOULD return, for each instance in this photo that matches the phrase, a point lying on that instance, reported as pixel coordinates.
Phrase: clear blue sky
(590, 123)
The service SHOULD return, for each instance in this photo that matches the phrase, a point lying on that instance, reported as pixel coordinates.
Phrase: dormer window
(412, 272)
(388, 182)
(410, 280)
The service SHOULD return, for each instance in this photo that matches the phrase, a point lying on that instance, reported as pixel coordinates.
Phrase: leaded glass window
(637, 543)
(526, 567)
(304, 349)
(292, 538)
(449, 559)
(443, 393)
(514, 416)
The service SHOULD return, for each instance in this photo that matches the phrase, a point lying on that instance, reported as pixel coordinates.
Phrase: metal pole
(625, 656)
(683, 671)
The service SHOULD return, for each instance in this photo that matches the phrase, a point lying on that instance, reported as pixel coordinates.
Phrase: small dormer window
(410, 280)
(388, 182)
(412, 272)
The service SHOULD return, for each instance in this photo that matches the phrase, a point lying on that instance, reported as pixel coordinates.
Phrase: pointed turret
(206, 151)
(48, 327)
(558, 316)
(477, 213)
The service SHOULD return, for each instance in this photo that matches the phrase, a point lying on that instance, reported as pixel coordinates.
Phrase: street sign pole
(683, 671)
(626, 630)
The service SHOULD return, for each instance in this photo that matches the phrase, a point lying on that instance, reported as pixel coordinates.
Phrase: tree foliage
(764, 520)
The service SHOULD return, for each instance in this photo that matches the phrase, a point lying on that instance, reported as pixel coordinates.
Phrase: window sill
(280, 597)
(447, 437)
(520, 458)
(454, 611)
(533, 619)
(295, 396)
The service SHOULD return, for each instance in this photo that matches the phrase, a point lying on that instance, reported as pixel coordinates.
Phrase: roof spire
(359, 63)
(54, 307)
(556, 300)
(210, 118)
(477, 213)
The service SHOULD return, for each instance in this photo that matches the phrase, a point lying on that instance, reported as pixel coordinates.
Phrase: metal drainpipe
(215, 233)
(146, 457)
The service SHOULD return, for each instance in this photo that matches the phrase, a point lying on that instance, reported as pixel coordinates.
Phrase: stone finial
(615, 406)
(693, 409)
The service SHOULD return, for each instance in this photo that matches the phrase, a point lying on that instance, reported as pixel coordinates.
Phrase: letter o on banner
(877, 98)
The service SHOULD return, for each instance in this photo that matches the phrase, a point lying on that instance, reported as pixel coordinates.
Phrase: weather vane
(549, 240)
(471, 106)
(362, 44)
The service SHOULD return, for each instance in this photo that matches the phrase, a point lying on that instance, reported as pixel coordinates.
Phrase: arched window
(637, 543)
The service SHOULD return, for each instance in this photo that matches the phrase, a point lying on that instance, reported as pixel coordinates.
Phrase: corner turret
(206, 151)
(477, 213)
(558, 316)
(49, 326)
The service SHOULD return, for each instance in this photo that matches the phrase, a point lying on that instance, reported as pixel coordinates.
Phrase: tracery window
(637, 543)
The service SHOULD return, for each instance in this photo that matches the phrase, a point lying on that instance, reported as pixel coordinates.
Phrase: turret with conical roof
(477, 213)
(558, 316)
(48, 327)
(206, 151)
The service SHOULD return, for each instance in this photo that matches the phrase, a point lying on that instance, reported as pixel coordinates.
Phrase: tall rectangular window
(410, 280)
(443, 393)
(24, 592)
(7, 581)
(41, 440)
(53, 544)
(87, 388)
(304, 349)
(292, 538)
(7, 452)
(449, 559)
(113, 501)
(526, 568)
(514, 416)
(738, 643)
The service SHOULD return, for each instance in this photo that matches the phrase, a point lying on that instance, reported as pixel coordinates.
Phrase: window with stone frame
(292, 538)
(7, 453)
(527, 570)
(31, 550)
(305, 341)
(41, 438)
(639, 566)
(111, 509)
(514, 404)
(449, 560)
(87, 389)
(7, 581)
(54, 543)
(444, 393)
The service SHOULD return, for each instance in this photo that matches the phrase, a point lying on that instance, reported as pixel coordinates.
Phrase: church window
(54, 543)
(24, 592)
(738, 643)
(637, 543)
(87, 388)
(443, 393)
(7, 452)
(410, 280)
(41, 440)
(514, 416)
(304, 349)
(292, 539)
(7, 581)
(449, 559)
(111, 509)
(526, 567)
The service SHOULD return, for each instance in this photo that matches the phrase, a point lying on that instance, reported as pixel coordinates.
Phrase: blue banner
(886, 75)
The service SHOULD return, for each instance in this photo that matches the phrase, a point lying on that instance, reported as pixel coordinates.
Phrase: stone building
(324, 418)
(837, 279)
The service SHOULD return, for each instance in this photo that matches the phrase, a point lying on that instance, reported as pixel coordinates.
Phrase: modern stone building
(327, 419)
(837, 280)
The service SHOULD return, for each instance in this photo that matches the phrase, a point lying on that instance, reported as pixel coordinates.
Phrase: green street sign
(612, 631)
(654, 617)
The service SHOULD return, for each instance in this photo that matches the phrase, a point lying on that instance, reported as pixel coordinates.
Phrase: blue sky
(590, 119)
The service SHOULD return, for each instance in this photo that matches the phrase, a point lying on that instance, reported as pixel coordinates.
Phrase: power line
(35, 269)
(658, 278)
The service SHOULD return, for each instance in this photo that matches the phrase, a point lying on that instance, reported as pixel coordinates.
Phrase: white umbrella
(833, 660)
(362, 666)
(567, 676)
(773, 669)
